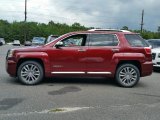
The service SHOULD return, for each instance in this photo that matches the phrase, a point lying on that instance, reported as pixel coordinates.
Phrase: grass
(57, 110)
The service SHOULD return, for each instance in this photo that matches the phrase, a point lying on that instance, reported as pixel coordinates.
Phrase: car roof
(153, 40)
(105, 31)
(101, 32)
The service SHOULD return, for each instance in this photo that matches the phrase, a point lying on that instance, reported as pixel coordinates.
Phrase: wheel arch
(133, 62)
(30, 59)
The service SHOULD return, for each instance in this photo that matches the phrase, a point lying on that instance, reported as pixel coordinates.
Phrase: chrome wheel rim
(128, 76)
(30, 73)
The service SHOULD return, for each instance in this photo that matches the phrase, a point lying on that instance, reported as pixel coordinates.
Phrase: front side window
(103, 40)
(136, 41)
(75, 40)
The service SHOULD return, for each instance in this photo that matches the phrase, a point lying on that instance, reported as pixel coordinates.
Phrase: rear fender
(117, 57)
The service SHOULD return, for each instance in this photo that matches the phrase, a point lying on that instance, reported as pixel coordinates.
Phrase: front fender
(43, 56)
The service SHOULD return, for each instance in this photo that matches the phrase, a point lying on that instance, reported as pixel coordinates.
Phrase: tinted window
(76, 40)
(103, 40)
(136, 40)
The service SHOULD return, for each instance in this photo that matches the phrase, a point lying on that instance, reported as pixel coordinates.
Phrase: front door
(70, 58)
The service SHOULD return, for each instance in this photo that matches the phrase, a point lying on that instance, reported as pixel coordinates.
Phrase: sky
(90, 13)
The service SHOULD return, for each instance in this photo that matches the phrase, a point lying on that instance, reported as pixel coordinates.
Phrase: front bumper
(155, 65)
(11, 67)
(156, 59)
(156, 62)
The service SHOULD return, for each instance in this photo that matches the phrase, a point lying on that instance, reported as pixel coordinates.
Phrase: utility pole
(25, 34)
(25, 10)
(142, 23)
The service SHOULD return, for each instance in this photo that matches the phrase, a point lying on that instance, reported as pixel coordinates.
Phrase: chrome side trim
(68, 72)
(99, 73)
(81, 72)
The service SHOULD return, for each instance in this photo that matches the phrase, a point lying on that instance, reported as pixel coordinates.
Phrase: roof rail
(112, 30)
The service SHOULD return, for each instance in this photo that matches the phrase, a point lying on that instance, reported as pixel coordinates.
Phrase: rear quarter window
(136, 40)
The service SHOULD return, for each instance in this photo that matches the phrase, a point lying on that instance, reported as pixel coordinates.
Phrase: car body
(156, 57)
(121, 55)
(27, 43)
(51, 38)
(10, 43)
(155, 43)
(2, 41)
(16, 43)
(38, 41)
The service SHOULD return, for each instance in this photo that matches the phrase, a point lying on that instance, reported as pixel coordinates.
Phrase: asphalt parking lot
(77, 98)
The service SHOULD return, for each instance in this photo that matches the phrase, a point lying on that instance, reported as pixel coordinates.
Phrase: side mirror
(59, 44)
(151, 46)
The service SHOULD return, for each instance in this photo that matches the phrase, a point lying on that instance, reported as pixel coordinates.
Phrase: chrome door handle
(115, 50)
(81, 50)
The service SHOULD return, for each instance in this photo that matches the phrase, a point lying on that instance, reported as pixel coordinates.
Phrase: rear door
(100, 52)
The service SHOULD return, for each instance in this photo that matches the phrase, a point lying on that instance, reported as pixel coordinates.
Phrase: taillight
(147, 50)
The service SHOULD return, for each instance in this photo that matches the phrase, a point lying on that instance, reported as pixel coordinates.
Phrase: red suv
(117, 54)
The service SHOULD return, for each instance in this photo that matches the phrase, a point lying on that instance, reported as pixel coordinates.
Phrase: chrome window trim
(104, 34)
(89, 38)
(70, 36)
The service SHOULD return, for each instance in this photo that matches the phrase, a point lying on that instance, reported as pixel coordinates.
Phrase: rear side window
(136, 40)
(103, 40)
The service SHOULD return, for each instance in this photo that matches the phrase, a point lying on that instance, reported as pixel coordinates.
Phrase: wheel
(156, 69)
(30, 73)
(127, 75)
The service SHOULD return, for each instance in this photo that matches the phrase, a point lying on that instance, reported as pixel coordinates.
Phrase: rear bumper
(146, 69)
(11, 67)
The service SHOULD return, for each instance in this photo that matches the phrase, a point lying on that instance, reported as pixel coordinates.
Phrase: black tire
(156, 69)
(30, 73)
(127, 75)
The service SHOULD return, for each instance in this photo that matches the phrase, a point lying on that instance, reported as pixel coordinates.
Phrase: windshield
(51, 38)
(56, 39)
(154, 43)
(40, 40)
(16, 41)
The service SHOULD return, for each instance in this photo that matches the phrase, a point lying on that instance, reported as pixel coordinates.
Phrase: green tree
(125, 28)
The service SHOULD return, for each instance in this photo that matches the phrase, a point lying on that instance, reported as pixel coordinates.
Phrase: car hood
(29, 49)
(156, 50)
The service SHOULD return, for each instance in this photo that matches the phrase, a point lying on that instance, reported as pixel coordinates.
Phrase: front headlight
(10, 53)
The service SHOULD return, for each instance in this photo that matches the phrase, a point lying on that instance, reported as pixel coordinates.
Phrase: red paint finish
(68, 59)
(85, 58)
(11, 67)
(98, 57)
